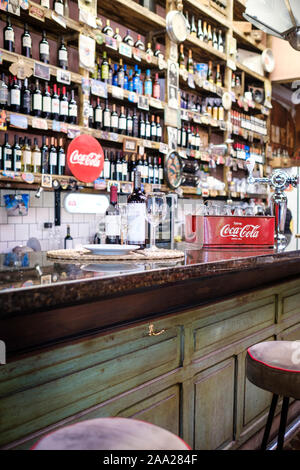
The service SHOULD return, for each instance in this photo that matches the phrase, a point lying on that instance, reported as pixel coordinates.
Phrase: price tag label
(99, 88)
(64, 127)
(147, 144)
(39, 123)
(111, 43)
(72, 133)
(63, 76)
(163, 148)
(143, 102)
(113, 136)
(141, 150)
(184, 115)
(125, 50)
(18, 121)
(206, 85)
(117, 92)
(37, 12)
(197, 118)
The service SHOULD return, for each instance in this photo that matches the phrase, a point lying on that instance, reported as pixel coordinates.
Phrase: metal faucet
(279, 180)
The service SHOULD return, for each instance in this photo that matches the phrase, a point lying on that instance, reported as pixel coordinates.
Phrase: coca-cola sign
(85, 158)
(230, 231)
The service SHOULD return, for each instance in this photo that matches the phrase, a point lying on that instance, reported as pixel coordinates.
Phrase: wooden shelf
(251, 73)
(207, 13)
(246, 41)
(202, 49)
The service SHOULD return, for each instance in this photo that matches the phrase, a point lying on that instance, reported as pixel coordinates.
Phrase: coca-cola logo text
(246, 231)
(91, 159)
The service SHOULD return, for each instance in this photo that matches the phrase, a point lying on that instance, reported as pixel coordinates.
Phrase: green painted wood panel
(214, 406)
(291, 334)
(291, 305)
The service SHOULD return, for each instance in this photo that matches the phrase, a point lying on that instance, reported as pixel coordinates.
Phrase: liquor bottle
(189, 137)
(125, 168)
(205, 34)
(114, 120)
(210, 72)
(149, 50)
(113, 218)
(221, 112)
(115, 75)
(153, 128)
(6, 155)
(200, 30)
(188, 23)
(104, 68)
(132, 168)
(135, 124)
(183, 137)
(26, 42)
(233, 81)
(16, 155)
(15, 96)
(3, 93)
(157, 52)
(156, 87)
(122, 123)
(136, 204)
(145, 173)
(209, 35)
(26, 156)
(140, 166)
(220, 41)
(117, 35)
(37, 100)
(193, 27)
(181, 58)
(113, 167)
(106, 167)
(68, 241)
(36, 157)
(120, 76)
(67, 9)
(60, 158)
(190, 63)
(73, 110)
(63, 55)
(9, 36)
(158, 129)
(136, 79)
(197, 140)
(155, 171)
(148, 84)
(46, 102)
(218, 76)
(129, 124)
(26, 98)
(110, 72)
(125, 78)
(106, 117)
(58, 7)
(44, 49)
(55, 104)
(139, 43)
(63, 106)
(52, 158)
(215, 111)
(98, 114)
(128, 39)
(150, 171)
(160, 172)
(45, 155)
(142, 129)
(215, 40)
(147, 127)
(108, 29)
(119, 167)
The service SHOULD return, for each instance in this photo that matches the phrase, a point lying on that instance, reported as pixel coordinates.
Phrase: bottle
(158, 129)
(132, 168)
(113, 167)
(73, 110)
(15, 96)
(193, 28)
(200, 30)
(52, 158)
(155, 171)
(136, 79)
(115, 76)
(26, 98)
(44, 49)
(104, 67)
(147, 128)
(139, 43)
(160, 172)
(117, 36)
(181, 58)
(153, 128)
(113, 219)
(106, 167)
(26, 156)
(215, 40)
(145, 173)
(122, 124)
(98, 115)
(114, 120)
(220, 42)
(150, 172)
(190, 63)
(6, 155)
(218, 76)
(26, 42)
(16, 155)
(59, 8)
(61, 158)
(135, 124)
(215, 111)
(128, 39)
(233, 80)
(108, 29)
(142, 129)
(188, 23)
(149, 50)
(36, 157)
(136, 202)
(205, 34)
(210, 72)
(9, 36)
(64, 106)
(157, 52)
(183, 137)
(209, 36)
(46, 102)
(120, 76)
(110, 73)
(129, 124)
(37, 100)
(125, 169)
(148, 84)
(125, 78)
(119, 167)
(3, 93)
(221, 112)
(55, 104)
(68, 242)
(45, 155)
(156, 87)
(106, 117)
(63, 55)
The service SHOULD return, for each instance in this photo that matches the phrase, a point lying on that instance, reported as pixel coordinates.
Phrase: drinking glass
(156, 211)
(238, 211)
(123, 208)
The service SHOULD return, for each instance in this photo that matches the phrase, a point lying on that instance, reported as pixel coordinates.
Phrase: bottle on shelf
(73, 110)
(128, 39)
(200, 30)
(215, 42)
(113, 167)
(64, 106)
(44, 49)
(218, 76)
(16, 155)
(108, 29)
(160, 171)
(150, 171)
(46, 102)
(106, 117)
(147, 127)
(149, 50)
(98, 114)
(148, 88)
(106, 167)
(15, 96)
(119, 167)
(136, 203)
(158, 129)
(205, 33)
(63, 55)
(129, 124)
(117, 36)
(125, 168)
(122, 123)
(26, 156)
(91, 115)
(113, 218)
(36, 157)
(210, 77)
(68, 241)
(139, 43)
(120, 74)
(104, 68)
(114, 120)
(209, 36)
(37, 100)
(157, 52)
(193, 27)
(52, 157)
(145, 172)
(9, 36)
(188, 25)
(181, 58)
(45, 155)
(61, 158)
(55, 104)
(190, 63)
(220, 41)
(6, 155)
(153, 128)
(4, 92)
(156, 87)
(26, 98)
(26, 42)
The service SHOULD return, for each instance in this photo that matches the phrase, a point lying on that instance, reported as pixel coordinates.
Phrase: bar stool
(111, 434)
(275, 366)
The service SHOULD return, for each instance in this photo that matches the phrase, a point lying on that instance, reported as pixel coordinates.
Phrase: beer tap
(280, 181)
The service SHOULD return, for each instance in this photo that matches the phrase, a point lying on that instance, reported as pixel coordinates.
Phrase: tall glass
(156, 211)
(194, 226)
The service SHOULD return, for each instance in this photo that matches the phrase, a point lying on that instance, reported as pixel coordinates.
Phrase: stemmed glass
(156, 211)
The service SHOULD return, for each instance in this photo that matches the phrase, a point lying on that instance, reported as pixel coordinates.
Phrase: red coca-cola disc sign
(85, 158)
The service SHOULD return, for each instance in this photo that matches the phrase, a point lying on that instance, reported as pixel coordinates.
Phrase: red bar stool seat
(275, 366)
(111, 434)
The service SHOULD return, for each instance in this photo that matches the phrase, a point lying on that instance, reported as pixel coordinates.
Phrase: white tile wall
(17, 230)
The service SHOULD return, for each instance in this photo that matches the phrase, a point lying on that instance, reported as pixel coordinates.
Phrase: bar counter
(163, 341)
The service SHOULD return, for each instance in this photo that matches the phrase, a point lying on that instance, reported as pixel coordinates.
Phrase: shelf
(202, 49)
(238, 10)
(208, 14)
(201, 87)
(202, 120)
(12, 57)
(246, 41)
(250, 72)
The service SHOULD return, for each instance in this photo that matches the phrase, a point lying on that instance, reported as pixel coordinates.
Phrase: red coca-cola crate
(229, 231)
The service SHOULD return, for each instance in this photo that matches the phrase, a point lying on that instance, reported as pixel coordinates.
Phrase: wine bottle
(113, 167)
(15, 96)
(6, 155)
(63, 55)
(128, 39)
(125, 169)
(145, 169)
(210, 77)
(122, 121)
(150, 171)
(129, 124)
(16, 155)
(44, 49)
(153, 128)
(114, 120)
(61, 158)
(73, 110)
(55, 105)
(52, 158)
(205, 35)
(68, 241)
(136, 202)
(106, 168)
(200, 30)
(37, 100)
(64, 106)
(98, 115)
(113, 218)
(117, 36)
(139, 43)
(181, 58)
(157, 52)
(26, 156)
(26, 98)
(160, 172)
(218, 76)
(148, 84)
(190, 63)
(215, 39)
(3, 93)
(147, 128)
(188, 23)
(119, 167)
(36, 157)
(108, 29)
(220, 42)
(193, 27)
(142, 129)
(149, 50)
(155, 171)
(106, 117)
(158, 129)
(26, 42)
(45, 155)
(209, 35)
(91, 115)
(9, 36)
(120, 76)
(156, 87)
(104, 67)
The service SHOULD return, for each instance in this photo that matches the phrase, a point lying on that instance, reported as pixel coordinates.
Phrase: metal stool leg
(269, 422)
(282, 426)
